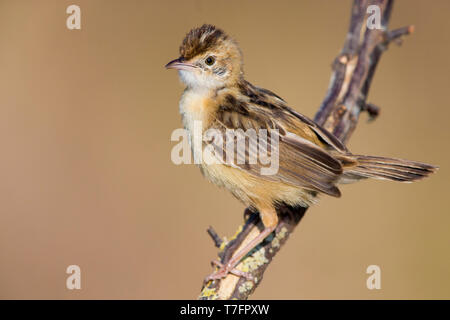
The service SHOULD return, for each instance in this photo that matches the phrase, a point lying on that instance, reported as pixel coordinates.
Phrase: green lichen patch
(245, 287)
(280, 236)
(253, 262)
(223, 244)
(239, 230)
(209, 293)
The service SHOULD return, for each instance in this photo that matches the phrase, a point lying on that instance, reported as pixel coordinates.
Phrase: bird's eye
(210, 61)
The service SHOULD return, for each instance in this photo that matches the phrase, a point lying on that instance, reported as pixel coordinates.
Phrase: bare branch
(215, 237)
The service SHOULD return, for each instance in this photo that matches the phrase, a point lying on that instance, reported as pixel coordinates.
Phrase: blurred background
(86, 176)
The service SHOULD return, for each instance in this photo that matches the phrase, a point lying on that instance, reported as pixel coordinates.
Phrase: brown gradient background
(85, 170)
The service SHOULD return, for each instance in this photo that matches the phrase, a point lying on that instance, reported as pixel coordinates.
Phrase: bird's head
(209, 59)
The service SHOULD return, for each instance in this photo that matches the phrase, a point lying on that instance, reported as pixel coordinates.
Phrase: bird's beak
(178, 64)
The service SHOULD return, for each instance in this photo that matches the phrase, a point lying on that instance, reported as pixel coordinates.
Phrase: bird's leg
(270, 221)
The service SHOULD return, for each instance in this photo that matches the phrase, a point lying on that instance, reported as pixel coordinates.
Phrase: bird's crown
(205, 38)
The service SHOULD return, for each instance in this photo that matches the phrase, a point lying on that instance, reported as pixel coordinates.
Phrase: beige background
(85, 170)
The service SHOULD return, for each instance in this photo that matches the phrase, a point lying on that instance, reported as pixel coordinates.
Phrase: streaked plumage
(311, 160)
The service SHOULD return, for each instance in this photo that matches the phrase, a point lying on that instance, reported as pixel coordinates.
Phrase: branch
(339, 112)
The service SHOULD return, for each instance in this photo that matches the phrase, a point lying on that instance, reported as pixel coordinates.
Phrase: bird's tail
(386, 168)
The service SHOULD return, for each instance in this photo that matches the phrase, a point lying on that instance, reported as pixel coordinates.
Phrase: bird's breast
(193, 108)
(197, 110)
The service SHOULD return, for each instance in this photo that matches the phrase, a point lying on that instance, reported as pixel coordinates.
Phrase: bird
(311, 160)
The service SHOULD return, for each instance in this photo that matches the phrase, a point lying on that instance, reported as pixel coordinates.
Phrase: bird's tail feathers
(386, 169)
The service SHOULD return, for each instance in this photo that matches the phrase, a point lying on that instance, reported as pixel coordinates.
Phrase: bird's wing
(328, 139)
(263, 101)
(303, 160)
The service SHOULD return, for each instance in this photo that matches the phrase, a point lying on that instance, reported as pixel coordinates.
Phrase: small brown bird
(311, 160)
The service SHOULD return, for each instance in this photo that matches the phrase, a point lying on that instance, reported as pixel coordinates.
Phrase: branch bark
(353, 71)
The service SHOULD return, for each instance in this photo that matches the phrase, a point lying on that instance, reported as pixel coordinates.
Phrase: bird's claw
(224, 270)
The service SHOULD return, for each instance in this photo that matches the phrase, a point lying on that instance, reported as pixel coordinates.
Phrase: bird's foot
(224, 270)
